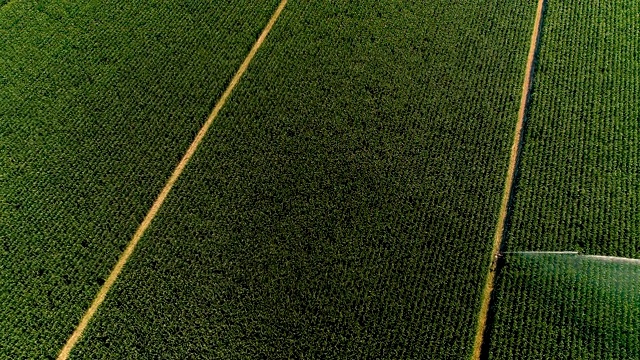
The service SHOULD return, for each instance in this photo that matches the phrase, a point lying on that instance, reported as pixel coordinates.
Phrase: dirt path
(124, 257)
(508, 187)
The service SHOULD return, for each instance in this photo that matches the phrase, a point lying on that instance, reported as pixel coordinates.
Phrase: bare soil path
(508, 186)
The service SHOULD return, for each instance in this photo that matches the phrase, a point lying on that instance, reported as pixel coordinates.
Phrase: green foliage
(566, 307)
(578, 190)
(98, 101)
(344, 204)
(579, 186)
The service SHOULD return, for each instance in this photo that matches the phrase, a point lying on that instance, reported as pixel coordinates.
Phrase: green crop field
(344, 202)
(566, 307)
(98, 100)
(579, 186)
(578, 190)
(331, 211)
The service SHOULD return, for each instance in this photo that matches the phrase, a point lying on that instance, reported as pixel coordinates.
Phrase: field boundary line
(508, 187)
(124, 257)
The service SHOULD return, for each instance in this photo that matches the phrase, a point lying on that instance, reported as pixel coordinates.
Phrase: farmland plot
(566, 307)
(344, 203)
(578, 190)
(98, 100)
(579, 186)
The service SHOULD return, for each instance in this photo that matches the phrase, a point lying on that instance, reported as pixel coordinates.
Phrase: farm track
(509, 186)
(117, 269)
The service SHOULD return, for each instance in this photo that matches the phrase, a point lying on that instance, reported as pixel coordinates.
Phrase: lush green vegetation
(98, 101)
(566, 307)
(344, 204)
(579, 186)
(578, 190)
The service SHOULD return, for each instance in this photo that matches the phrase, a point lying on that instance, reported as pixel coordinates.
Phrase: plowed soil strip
(124, 257)
(508, 186)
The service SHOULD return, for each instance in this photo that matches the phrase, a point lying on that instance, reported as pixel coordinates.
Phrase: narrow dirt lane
(508, 187)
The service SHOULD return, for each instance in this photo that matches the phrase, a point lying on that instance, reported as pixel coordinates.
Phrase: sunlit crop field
(566, 307)
(344, 202)
(578, 190)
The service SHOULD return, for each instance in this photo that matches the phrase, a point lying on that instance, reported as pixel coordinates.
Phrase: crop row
(579, 187)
